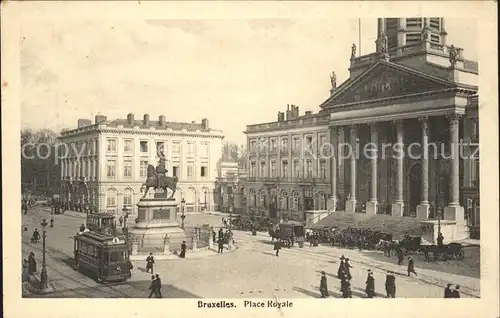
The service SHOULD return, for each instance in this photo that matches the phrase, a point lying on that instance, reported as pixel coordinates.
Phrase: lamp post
(183, 202)
(125, 228)
(438, 214)
(43, 274)
(87, 211)
(205, 200)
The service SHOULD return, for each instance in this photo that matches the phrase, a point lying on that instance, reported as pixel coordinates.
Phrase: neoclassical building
(107, 161)
(415, 95)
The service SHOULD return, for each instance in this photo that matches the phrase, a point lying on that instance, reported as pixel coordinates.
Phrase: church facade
(402, 131)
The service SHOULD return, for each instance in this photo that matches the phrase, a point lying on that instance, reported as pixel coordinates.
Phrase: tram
(101, 256)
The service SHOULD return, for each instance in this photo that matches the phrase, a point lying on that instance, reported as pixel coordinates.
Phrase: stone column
(372, 205)
(332, 203)
(423, 207)
(350, 205)
(454, 211)
(166, 245)
(397, 206)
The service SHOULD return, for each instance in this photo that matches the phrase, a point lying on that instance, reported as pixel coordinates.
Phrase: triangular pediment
(384, 80)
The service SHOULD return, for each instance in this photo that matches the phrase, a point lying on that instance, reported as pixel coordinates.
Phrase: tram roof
(102, 215)
(93, 237)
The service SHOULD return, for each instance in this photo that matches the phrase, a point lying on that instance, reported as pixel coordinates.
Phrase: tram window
(116, 256)
(83, 248)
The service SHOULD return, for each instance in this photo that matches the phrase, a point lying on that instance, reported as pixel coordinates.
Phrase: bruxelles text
(369, 150)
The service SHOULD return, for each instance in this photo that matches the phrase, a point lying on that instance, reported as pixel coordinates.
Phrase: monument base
(350, 206)
(423, 211)
(371, 207)
(397, 209)
(156, 230)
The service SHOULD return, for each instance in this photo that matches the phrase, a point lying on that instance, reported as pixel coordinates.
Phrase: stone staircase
(397, 226)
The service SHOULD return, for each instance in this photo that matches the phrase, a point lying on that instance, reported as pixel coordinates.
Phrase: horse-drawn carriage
(445, 251)
(288, 233)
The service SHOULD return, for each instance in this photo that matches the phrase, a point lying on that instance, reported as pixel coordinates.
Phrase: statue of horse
(157, 181)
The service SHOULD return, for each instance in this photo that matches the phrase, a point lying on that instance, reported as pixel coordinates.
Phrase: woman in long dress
(183, 250)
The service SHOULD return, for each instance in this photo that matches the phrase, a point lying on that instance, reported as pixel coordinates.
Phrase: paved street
(250, 271)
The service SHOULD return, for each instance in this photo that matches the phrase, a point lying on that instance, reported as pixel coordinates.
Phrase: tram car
(291, 232)
(102, 257)
(101, 222)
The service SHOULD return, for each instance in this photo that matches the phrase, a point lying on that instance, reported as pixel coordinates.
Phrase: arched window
(295, 200)
(111, 201)
(128, 200)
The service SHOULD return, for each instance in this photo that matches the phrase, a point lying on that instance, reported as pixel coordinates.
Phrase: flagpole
(359, 36)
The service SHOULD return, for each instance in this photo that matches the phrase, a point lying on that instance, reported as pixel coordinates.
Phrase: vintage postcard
(250, 158)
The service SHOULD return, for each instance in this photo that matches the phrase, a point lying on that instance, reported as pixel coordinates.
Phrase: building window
(175, 171)
(435, 23)
(322, 169)
(435, 38)
(273, 169)
(321, 141)
(127, 145)
(296, 143)
(412, 38)
(127, 168)
(253, 169)
(127, 198)
(284, 169)
(204, 150)
(475, 130)
(284, 144)
(296, 169)
(176, 147)
(111, 145)
(111, 200)
(111, 168)
(309, 169)
(274, 144)
(144, 146)
(190, 171)
(253, 145)
(309, 141)
(414, 22)
(203, 172)
(262, 169)
(144, 168)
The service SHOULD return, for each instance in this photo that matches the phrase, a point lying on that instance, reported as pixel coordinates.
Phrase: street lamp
(125, 228)
(43, 275)
(205, 200)
(183, 202)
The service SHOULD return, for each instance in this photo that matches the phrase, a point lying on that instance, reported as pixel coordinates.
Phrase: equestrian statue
(157, 178)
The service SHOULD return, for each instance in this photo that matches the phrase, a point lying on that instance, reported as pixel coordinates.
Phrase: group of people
(452, 293)
(360, 238)
(29, 267)
(221, 237)
(344, 274)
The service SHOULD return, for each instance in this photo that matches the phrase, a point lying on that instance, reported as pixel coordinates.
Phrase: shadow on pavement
(307, 292)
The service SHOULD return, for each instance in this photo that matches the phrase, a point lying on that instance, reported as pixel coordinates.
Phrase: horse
(163, 182)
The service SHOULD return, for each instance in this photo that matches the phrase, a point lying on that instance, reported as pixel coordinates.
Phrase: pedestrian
(32, 263)
(447, 291)
(51, 221)
(341, 269)
(26, 270)
(370, 285)
(158, 286)
(277, 247)
(82, 228)
(221, 234)
(323, 286)
(213, 235)
(440, 239)
(183, 250)
(411, 268)
(221, 246)
(120, 220)
(455, 293)
(390, 285)
(149, 263)
(348, 269)
(399, 251)
(130, 268)
(345, 288)
(152, 286)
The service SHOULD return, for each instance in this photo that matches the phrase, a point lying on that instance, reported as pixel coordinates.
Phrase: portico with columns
(403, 123)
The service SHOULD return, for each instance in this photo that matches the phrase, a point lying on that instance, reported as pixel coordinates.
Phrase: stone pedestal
(397, 209)
(350, 206)
(157, 220)
(423, 211)
(371, 207)
(331, 204)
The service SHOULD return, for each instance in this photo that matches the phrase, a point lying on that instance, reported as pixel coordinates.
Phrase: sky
(233, 72)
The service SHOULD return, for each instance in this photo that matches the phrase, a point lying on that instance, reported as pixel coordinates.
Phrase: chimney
(100, 118)
(288, 113)
(130, 119)
(84, 122)
(146, 119)
(204, 123)
(161, 119)
(281, 117)
(308, 113)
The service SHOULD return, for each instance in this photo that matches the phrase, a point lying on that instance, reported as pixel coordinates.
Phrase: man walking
(221, 245)
(370, 285)
(149, 263)
(323, 286)
(399, 252)
(411, 268)
(152, 286)
(158, 286)
(447, 291)
(390, 285)
(455, 293)
(277, 247)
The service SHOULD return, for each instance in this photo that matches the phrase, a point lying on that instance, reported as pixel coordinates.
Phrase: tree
(235, 153)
